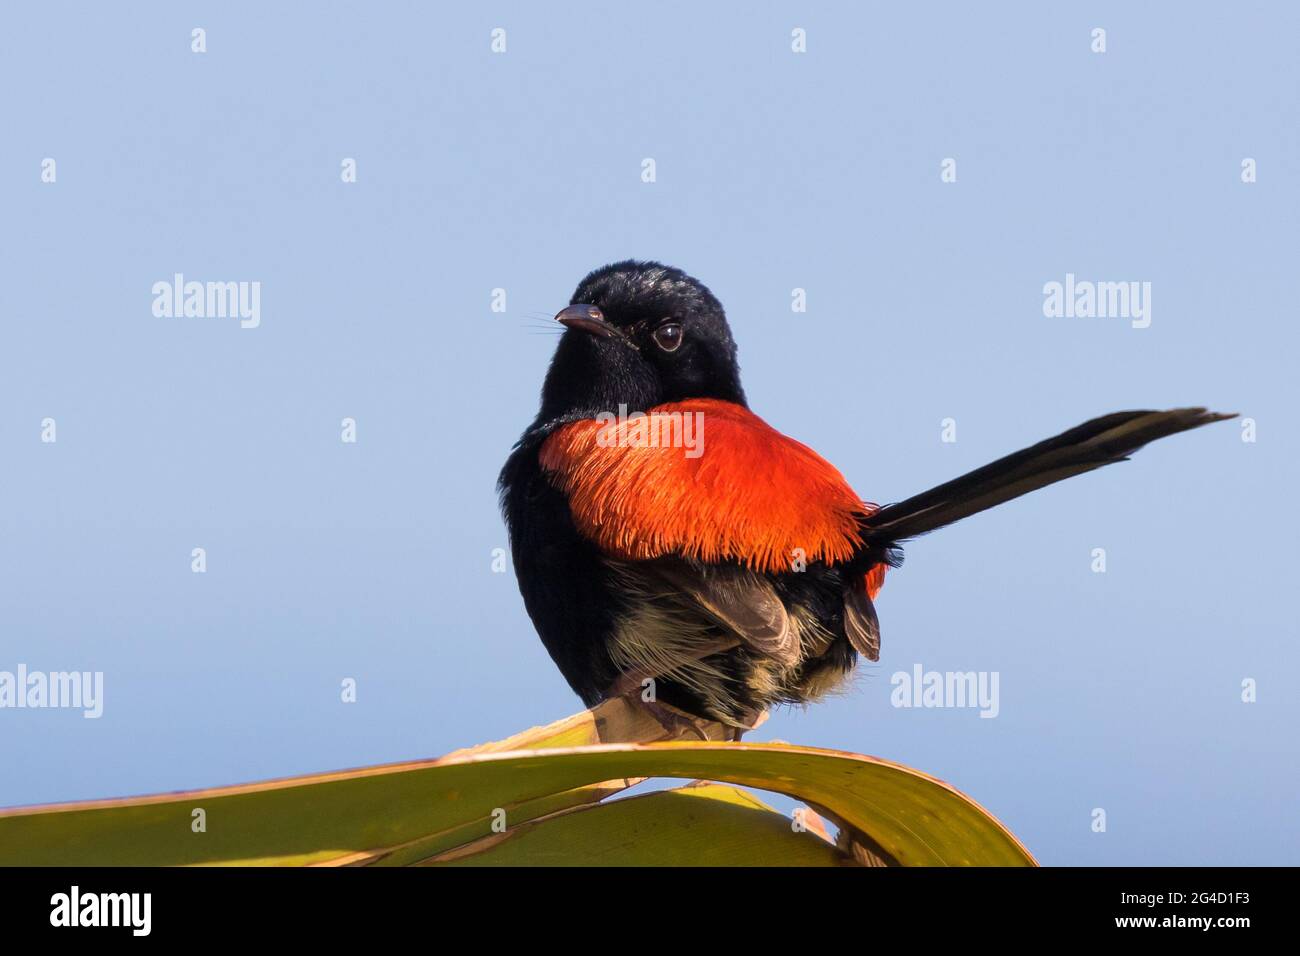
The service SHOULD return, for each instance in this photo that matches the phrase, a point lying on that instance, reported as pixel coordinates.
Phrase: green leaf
(700, 825)
(401, 813)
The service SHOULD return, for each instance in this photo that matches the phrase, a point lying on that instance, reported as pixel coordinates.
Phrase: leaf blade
(915, 818)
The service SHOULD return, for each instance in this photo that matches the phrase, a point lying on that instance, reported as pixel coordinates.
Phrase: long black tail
(1093, 444)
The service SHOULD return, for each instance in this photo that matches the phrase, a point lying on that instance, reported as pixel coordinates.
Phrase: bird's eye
(668, 336)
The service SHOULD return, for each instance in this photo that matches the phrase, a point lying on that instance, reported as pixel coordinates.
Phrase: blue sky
(775, 170)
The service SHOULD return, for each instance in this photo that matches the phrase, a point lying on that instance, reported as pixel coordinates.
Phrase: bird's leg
(630, 684)
(674, 724)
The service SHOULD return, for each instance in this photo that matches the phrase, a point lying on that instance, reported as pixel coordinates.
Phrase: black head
(640, 334)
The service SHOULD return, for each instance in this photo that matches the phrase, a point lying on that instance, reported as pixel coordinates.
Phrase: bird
(672, 547)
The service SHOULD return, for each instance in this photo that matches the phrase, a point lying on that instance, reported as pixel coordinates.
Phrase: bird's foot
(674, 723)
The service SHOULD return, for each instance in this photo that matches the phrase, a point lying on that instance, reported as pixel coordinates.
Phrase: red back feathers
(751, 494)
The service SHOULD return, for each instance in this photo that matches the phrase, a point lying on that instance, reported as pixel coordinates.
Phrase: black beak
(588, 318)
